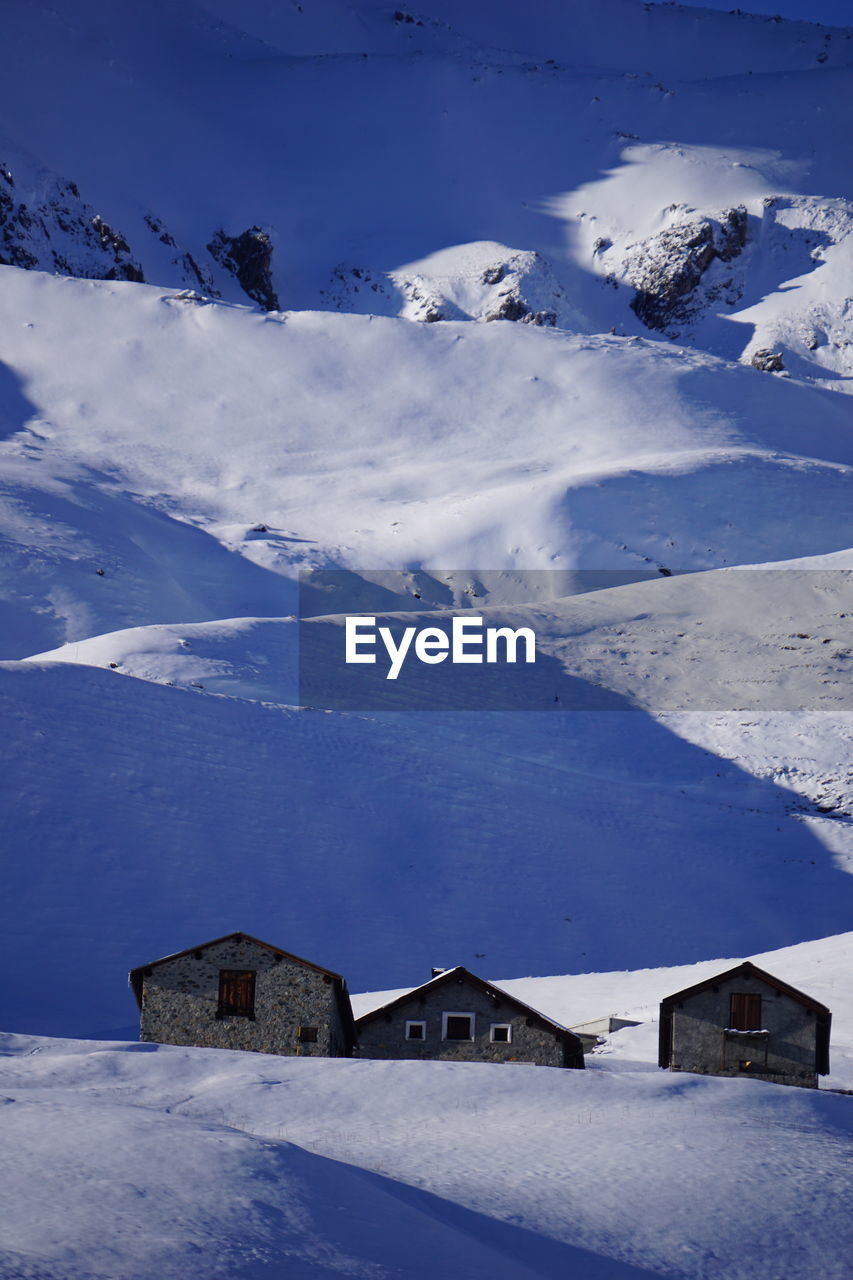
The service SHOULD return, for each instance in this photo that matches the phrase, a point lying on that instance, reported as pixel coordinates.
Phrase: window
(501, 1033)
(416, 1031)
(744, 1011)
(308, 1035)
(236, 993)
(457, 1026)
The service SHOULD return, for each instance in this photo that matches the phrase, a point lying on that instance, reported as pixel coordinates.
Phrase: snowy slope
(138, 1191)
(170, 461)
(146, 817)
(167, 432)
(481, 165)
(410, 1169)
(361, 144)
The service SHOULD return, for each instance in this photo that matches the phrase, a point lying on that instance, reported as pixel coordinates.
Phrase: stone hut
(745, 1022)
(237, 992)
(460, 1017)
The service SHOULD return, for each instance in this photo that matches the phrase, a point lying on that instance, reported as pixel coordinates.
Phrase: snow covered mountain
(538, 312)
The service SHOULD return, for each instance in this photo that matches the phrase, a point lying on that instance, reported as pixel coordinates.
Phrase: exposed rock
(732, 234)
(189, 270)
(248, 256)
(480, 281)
(510, 307)
(513, 307)
(188, 296)
(59, 232)
(154, 224)
(524, 277)
(670, 266)
(192, 270)
(767, 361)
(484, 281)
(114, 244)
(347, 281)
(425, 306)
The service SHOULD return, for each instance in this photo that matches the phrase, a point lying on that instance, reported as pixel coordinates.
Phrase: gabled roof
(747, 970)
(137, 975)
(460, 974)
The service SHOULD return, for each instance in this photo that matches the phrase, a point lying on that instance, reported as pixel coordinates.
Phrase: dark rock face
(190, 271)
(112, 243)
(429, 308)
(55, 230)
(670, 266)
(510, 307)
(767, 361)
(61, 233)
(15, 222)
(249, 258)
(511, 303)
(732, 237)
(513, 307)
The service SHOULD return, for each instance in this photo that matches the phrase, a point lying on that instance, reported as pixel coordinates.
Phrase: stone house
(459, 1016)
(237, 992)
(745, 1022)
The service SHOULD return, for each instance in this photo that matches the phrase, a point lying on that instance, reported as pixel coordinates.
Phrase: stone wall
(385, 1035)
(702, 1043)
(180, 1000)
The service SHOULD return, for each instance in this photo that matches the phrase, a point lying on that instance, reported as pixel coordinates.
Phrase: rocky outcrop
(58, 232)
(512, 306)
(667, 270)
(248, 257)
(517, 286)
(482, 281)
(767, 361)
(522, 281)
(424, 303)
(191, 272)
(52, 228)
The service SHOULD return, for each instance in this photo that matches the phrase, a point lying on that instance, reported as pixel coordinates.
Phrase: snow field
(373, 443)
(516, 1171)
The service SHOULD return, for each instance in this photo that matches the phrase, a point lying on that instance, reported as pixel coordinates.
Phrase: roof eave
(444, 978)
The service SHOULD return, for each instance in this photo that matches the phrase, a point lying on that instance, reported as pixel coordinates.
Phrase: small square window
(416, 1031)
(501, 1033)
(308, 1035)
(457, 1026)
